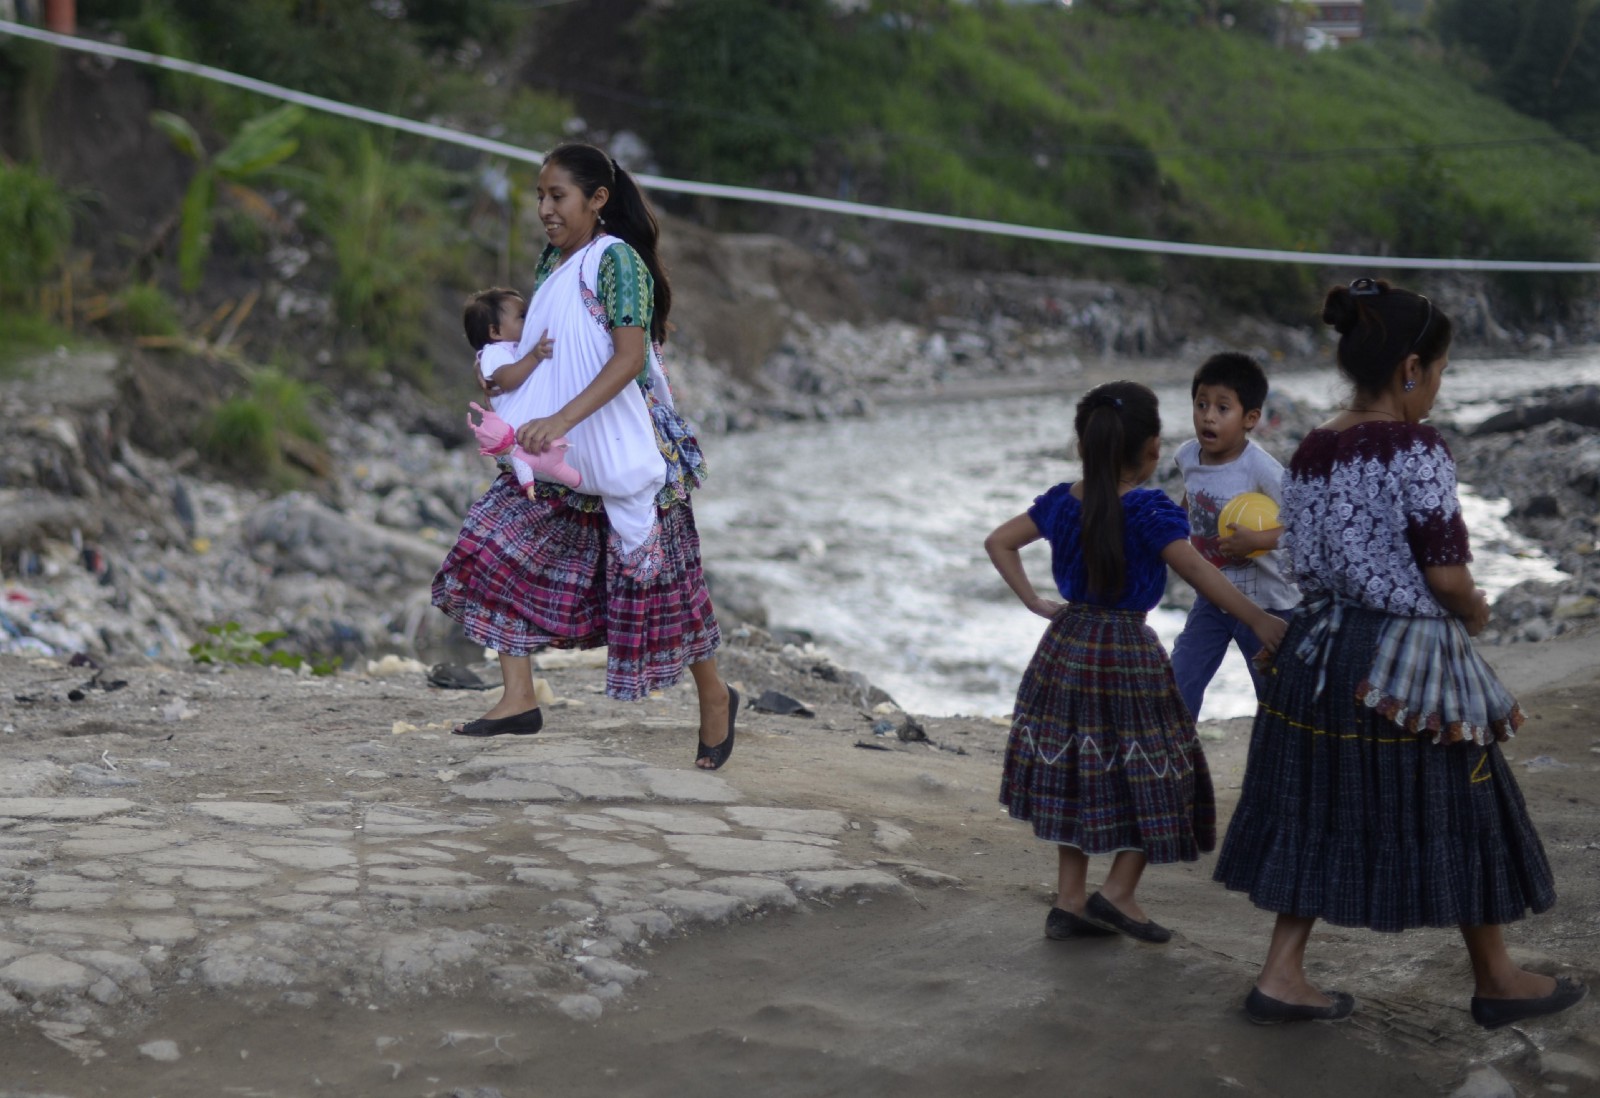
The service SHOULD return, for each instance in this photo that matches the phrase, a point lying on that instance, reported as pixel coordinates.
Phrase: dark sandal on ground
(1061, 924)
(1494, 1013)
(525, 723)
(1264, 1010)
(1102, 912)
(719, 754)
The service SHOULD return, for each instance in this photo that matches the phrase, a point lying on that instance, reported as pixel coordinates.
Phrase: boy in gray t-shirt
(1221, 462)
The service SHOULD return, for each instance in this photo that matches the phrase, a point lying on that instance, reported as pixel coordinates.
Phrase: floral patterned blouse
(1366, 509)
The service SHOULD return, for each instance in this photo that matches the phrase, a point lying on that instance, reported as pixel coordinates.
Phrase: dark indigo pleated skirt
(1346, 816)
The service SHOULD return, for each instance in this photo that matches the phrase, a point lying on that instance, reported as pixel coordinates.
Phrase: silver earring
(1410, 385)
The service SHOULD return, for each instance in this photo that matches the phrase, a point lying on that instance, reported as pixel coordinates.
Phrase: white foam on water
(869, 532)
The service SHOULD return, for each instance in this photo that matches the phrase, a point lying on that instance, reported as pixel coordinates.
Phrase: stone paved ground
(244, 882)
(143, 850)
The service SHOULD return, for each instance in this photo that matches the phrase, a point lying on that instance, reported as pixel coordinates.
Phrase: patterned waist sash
(1425, 675)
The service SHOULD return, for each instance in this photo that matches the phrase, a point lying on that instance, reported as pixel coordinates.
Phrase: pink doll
(497, 439)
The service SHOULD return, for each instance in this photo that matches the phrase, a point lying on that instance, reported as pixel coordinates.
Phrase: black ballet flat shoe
(518, 724)
(1494, 1013)
(719, 754)
(1103, 913)
(1264, 1010)
(1060, 925)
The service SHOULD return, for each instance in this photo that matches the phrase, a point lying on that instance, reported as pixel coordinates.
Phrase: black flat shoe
(518, 724)
(719, 754)
(1494, 1013)
(1264, 1010)
(1061, 925)
(1103, 913)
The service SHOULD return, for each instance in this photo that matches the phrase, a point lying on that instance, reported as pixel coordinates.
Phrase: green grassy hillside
(1119, 125)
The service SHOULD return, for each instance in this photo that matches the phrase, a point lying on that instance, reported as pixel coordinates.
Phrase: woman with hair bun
(1375, 794)
(568, 568)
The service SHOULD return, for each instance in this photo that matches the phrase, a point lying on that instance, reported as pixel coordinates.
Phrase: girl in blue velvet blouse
(1103, 757)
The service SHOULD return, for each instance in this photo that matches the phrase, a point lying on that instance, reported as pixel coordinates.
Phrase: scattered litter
(773, 701)
(565, 658)
(455, 676)
(1546, 762)
(392, 666)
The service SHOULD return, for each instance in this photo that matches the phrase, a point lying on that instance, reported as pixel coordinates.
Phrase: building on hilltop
(1340, 21)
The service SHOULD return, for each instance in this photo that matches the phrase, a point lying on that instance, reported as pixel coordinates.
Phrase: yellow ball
(1248, 511)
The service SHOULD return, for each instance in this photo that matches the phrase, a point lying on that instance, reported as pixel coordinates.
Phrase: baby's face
(513, 310)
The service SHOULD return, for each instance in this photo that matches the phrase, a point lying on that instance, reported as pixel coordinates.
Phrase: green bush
(35, 232)
(24, 335)
(393, 241)
(245, 433)
(142, 309)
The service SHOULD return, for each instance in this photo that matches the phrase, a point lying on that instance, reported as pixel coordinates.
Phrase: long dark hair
(626, 214)
(1379, 327)
(1115, 422)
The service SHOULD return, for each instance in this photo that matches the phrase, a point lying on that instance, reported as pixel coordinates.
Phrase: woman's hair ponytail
(1115, 422)
(1379, 327)
(626, 215)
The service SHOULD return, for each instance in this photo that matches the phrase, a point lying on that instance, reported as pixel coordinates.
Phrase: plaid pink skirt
(530, 574)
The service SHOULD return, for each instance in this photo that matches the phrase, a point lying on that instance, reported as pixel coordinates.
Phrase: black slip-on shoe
(1494, 1013)
(1061, 925)
(719, 754)
(1102, 912)
(525, 723)
(1264, 1010)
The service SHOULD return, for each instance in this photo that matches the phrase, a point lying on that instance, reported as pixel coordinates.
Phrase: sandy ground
(920, 985)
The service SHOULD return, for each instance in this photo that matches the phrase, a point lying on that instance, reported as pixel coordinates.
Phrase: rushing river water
(869, 532)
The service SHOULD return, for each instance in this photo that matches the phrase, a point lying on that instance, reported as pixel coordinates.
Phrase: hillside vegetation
(1134, 125)
(282, 248)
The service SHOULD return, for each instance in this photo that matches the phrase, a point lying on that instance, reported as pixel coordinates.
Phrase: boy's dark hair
(482, 312)
(1235, 371)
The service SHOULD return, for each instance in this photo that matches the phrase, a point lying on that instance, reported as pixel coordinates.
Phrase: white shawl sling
(615, 449)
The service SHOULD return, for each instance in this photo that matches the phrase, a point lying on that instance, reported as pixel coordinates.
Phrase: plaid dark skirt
(1346, 816)
(1103, 753)
(530, 574)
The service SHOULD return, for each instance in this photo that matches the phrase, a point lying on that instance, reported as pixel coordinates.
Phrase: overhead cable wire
(788, 199)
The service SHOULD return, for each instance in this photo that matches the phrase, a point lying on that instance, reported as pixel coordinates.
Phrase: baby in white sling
(561, 345)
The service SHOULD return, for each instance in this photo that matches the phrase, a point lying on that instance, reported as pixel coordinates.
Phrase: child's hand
(545, 348)
(1045, 608)
(1270, 633)
(1241, 541)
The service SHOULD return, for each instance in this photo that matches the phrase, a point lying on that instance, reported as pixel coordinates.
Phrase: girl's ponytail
(626, 215)
(1114, 422)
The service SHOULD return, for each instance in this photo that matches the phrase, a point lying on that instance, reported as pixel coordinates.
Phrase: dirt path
(304, 897)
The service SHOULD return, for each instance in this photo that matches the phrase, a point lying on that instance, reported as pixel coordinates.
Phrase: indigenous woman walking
(1375, 794)
(566, 568)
